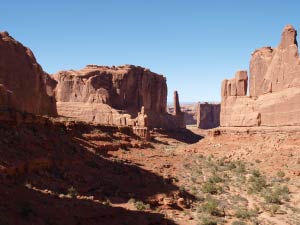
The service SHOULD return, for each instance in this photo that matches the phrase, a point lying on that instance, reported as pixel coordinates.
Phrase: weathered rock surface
(114, 95)
(178, 114)
(24, 86)
(124, 87)
(208, 115)
(274, 88)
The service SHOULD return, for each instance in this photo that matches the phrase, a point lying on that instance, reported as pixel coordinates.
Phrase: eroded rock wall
(114, 95)
(274, 88)
(208, 115)
(24, 86)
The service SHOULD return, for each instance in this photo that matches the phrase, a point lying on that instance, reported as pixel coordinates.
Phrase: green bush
(256, 183)
(139, 205)
(280, 174)
(244, 213)
(240, 167)
(208, 221)
(215, 179)
(274, 209)
(256, 173)
(238, 223)
(276, 195)
(231, 166)
(211, 188)
(211, 206)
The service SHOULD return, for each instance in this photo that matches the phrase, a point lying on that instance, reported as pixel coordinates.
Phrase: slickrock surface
(23, 84)
(208, 115)
(274, 87)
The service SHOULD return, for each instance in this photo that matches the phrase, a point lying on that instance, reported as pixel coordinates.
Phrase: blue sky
(195, 44)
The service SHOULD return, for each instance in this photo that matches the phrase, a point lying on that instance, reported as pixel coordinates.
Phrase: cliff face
(208, 115)
(100, 94)
(114, 95)
(24, 86)
(274, 87)
(123, 88)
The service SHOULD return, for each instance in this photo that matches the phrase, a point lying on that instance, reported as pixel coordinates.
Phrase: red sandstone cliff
(100, 94)
(274, 87)
(208, 115)
(114, 95)
(24, 85)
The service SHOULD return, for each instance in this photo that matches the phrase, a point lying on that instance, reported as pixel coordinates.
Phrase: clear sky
(195, 44)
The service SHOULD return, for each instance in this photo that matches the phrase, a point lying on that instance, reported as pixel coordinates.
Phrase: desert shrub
(211, 188)
(131, 200)
(274, 209)
(256, 183)
(276, 195)
(231, 166)
(72, 192)
(244, 213)
(256, 173)
(208, 221)
(221, 162)
(280, 174)
(211, 206)
(238, 223)
(96, 131)
(215, 179)
(240, 167)
(139, 205)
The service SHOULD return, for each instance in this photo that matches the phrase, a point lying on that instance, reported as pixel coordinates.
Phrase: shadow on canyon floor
(182, 135)
(70, 164)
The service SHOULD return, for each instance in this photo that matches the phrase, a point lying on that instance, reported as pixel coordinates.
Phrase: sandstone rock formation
(274, 89)
(208, 115)
(114, 95)
(100, 94)
(179, 116)
(24, 86)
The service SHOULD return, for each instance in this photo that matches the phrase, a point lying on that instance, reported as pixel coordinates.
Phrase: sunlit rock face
(274, 87)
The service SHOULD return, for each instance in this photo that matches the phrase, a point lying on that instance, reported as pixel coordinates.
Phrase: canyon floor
(63, 172)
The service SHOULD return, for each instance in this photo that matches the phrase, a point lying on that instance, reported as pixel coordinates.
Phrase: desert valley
(100, 145)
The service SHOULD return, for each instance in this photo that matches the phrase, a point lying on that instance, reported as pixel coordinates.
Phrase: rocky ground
(74, 173)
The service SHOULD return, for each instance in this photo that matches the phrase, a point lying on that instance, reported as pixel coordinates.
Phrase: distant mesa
(274, 87)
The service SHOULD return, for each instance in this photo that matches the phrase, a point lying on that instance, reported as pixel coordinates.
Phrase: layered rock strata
(274, 87)
(114, 95)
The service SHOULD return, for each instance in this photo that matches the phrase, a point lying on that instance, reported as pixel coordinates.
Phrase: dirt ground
(89, 175)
